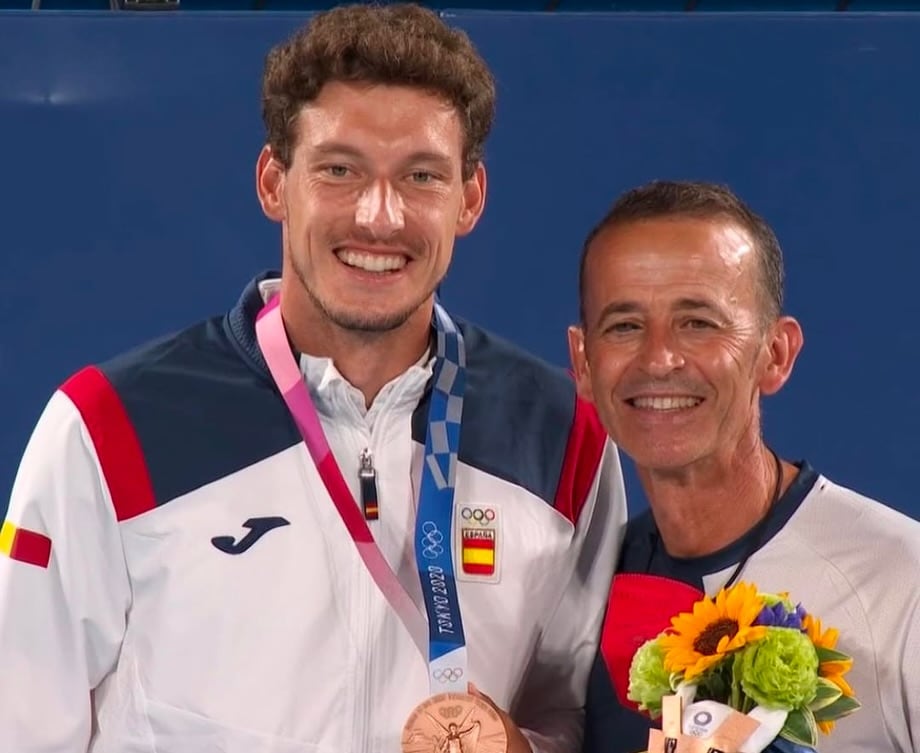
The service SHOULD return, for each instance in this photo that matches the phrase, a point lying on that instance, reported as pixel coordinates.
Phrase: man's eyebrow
(618, 307)
(329, 148)
(425, 156)
(682, 304)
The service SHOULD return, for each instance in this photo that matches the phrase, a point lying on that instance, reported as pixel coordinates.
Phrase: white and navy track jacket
(849, 560)
(176, 578)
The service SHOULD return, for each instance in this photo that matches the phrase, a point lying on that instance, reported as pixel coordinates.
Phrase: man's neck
(367, 360)
(704, 508)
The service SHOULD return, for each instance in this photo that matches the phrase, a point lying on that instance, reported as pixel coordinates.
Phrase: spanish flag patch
(478, 552)
(25, 545)
(477, 543)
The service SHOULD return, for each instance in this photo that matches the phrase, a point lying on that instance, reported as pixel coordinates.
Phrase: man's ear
(784, 344)
(270, 174)
(474, 201)
(579, 359)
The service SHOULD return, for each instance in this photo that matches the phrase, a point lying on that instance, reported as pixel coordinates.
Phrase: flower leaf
(841, 707)
(800, 727)
(736, 694)
(829, 654)
(826, 694)
(713, 685)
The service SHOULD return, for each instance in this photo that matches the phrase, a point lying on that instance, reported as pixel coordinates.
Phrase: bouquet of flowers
(743, 654)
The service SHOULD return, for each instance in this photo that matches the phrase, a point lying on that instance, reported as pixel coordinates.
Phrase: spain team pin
(478, 544)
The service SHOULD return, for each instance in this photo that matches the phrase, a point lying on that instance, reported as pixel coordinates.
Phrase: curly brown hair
(400, 44)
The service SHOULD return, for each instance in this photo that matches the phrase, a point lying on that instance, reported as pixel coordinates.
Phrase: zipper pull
(368, 478)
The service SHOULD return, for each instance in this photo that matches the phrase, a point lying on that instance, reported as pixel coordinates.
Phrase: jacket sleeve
(64, 589)
(550, 706)
(899, 658)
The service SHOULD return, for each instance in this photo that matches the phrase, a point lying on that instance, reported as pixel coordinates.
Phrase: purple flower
(779, 615)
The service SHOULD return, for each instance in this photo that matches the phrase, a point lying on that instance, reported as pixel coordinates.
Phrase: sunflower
(716, 627)
(830, 670)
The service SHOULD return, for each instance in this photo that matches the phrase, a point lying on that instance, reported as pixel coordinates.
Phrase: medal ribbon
(446, 645)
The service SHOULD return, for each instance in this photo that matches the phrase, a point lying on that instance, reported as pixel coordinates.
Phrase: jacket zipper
(367, 477)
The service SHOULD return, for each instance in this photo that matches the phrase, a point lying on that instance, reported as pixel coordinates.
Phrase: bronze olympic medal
(454, 723)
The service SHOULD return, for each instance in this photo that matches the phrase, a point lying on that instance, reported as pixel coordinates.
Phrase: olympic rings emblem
(450, 674)
(482, 516)
(431, 541)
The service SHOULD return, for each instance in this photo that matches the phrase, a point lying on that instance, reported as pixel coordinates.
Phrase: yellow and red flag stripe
(478, 555)
(25, 545)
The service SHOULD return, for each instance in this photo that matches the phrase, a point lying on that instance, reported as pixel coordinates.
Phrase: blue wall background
(128, 210)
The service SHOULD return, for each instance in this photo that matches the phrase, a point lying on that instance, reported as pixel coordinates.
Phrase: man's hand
(517, 743)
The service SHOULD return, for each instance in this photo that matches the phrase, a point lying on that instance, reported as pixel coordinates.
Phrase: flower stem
(735, 701)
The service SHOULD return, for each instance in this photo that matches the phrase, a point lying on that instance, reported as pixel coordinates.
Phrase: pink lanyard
(273, 342)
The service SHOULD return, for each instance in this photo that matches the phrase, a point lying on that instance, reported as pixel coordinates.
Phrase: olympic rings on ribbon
(450, 674)
(431, 541)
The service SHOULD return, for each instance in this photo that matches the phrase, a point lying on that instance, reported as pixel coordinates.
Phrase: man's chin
(662, 461)
(364, 314)
(368, 322)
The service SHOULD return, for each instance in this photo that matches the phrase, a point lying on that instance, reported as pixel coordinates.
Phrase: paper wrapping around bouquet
(704, 727)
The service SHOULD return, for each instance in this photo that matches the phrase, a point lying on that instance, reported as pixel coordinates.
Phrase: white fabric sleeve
(909, 653)
(550, 706)
(61, 625)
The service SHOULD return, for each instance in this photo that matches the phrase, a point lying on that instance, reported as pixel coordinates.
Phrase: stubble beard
(358, 322)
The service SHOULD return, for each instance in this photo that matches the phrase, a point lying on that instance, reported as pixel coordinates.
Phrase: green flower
(771, 600)
(648, 679)
(781, 670)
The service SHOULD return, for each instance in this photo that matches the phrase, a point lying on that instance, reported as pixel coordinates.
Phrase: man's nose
(660, 354)
(380, 209)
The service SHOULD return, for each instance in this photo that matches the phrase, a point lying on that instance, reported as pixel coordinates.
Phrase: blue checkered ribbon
(434, 521)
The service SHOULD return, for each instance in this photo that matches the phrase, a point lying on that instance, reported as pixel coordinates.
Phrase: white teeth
(665, 403)
(372, 262)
